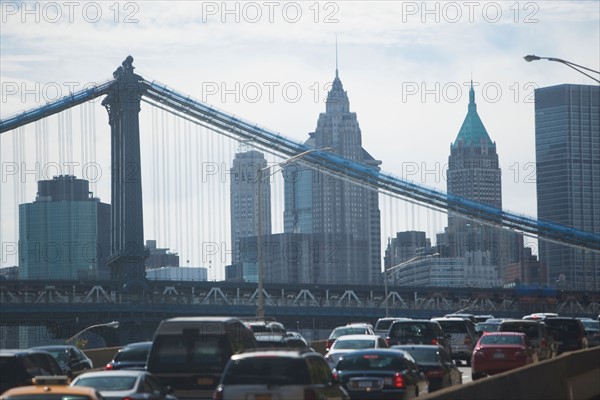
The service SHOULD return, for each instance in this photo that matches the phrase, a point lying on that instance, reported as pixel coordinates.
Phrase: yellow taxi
(51, 388)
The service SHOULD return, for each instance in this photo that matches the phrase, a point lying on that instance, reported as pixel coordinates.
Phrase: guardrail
(570, 376)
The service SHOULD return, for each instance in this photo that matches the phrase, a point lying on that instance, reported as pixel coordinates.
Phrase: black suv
(568, 333)
(18, 367)
(417, 331)
(190, 353)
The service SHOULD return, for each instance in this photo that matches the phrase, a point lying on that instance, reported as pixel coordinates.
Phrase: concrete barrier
(101, 357)
(570, 376)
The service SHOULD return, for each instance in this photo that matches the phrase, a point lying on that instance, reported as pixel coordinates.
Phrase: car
(568, 333)
(124, 384)
(131, 356)
(347, 343)
(20, 367)
(382, 326)
(295, 340)
(51, 387)
(540, 316)
(484, 327)
(592, 331)
(470, 317)
(435, 361)
(483, 317)
(278, 374)
(380, 374)
(536, 332)
(70, 358)
(190, 353)
(350, 329)
(497, 352)
(462, 337)
(265, 326)
(417, 331)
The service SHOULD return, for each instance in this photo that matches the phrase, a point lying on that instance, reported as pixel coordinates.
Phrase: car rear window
(349, 331)
(454, 326)
(418, 329)
(367, 362)
(501, 339)
(423, 355)
(107, 382)
(354, 344)
(132, 354)
(267, 371)
(189, 353)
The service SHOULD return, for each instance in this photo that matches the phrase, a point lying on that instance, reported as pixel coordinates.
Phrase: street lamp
(113, 324)
(569, 64)
(260, 310)
(385, 278)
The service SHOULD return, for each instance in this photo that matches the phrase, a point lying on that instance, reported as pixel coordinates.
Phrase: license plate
(364, 384)
(498, 355)
(205, 381)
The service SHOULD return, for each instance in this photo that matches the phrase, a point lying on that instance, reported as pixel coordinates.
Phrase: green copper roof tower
(472, 131)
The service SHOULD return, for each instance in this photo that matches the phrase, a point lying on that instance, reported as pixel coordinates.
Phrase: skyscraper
(342, 215)
(244, 194)
(65, 233)
(567, 143)
(474, 173)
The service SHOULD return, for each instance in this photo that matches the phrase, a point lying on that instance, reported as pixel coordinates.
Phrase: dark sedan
(131, 356)
(70, 358)
(436, 363)
(385, 374)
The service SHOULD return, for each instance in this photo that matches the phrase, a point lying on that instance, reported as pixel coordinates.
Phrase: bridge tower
(126, 261)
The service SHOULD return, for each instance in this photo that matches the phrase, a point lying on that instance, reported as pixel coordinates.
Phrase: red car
(501, 351)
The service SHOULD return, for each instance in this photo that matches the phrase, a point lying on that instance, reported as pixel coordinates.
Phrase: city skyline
(395, 60)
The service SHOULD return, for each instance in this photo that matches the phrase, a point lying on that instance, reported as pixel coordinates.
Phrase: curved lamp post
(569, 64)
(260, 310)
(113, 324)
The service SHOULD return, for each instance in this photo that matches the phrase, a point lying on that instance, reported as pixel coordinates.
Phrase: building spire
(336, 58)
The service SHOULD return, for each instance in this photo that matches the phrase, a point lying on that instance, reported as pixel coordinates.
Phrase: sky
(406, 66)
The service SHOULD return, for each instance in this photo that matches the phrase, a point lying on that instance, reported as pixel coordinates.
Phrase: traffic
(222, 358)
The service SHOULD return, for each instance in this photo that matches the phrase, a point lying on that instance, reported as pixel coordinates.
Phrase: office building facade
(244, 192)
(64, 233)
(342, 215)
(567, 142)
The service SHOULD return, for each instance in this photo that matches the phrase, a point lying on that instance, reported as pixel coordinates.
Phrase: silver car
(121, 384)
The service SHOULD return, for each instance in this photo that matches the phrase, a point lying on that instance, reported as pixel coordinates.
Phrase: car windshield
(132, 354)
(354, 344)
(501, 339)
(367, 362)
(267, 371)
(107, 382)
(193, 353)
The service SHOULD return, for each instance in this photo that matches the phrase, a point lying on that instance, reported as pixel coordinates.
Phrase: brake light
(310, 394)
(434, 341)
(108, 366)
(398, 381)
